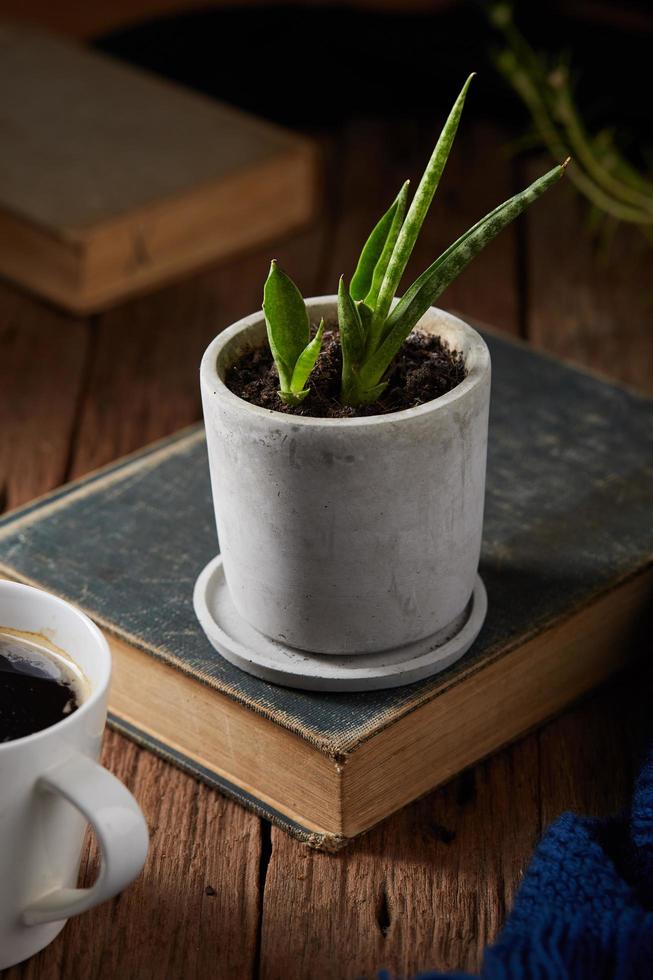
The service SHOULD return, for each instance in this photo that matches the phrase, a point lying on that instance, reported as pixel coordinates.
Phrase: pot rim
(477, 361)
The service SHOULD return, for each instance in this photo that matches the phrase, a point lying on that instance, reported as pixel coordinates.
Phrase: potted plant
(347, 441)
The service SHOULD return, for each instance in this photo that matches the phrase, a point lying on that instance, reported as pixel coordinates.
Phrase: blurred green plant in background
(616, 190)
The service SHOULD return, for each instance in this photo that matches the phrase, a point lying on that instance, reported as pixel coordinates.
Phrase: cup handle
(120, 829)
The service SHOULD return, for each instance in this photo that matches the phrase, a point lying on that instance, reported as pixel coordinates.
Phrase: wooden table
(223, 894)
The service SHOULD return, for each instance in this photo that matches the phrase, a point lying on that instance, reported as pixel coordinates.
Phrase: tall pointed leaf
(374, 258)
(416, 213)
(352, 337)
(287, 322)
(444, 270)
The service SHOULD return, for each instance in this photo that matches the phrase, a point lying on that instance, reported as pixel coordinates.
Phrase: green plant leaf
(374, 258)
(352, 337)
(366, 314)
(444, 270)
(416, 214)
(306, 363)
(286, 319)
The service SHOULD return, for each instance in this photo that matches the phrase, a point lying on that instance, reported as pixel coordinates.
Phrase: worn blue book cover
(566, 561)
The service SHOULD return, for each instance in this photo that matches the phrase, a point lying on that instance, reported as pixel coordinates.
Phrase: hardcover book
(566, 561)
(113, 180)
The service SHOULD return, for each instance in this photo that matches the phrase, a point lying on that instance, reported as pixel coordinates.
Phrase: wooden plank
(194, 910)
(587, 304)
(142, 384)
(41, 377)
(430, 887)
(143, 376)
(425, 890)
(200, 840)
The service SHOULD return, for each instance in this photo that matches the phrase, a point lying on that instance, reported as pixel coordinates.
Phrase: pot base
(251, 651)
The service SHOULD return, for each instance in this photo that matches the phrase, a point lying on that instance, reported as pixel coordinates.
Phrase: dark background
(313, 65)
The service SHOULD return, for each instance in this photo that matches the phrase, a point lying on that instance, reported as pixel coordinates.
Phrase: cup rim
(479, 368)
(95, 634)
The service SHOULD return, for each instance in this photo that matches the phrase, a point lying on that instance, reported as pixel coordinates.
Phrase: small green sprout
(372, 331)
(288, 327)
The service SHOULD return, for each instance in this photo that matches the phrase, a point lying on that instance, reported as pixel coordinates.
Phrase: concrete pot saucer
(245, 647)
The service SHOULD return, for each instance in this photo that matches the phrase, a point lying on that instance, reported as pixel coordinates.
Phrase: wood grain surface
(589, 302)
(222, 895)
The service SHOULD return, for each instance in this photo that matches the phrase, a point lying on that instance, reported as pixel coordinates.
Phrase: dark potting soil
(424, 369)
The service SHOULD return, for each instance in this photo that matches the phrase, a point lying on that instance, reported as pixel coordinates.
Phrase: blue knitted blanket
(584, 910)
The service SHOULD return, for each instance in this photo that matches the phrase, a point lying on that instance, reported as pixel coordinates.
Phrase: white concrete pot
(348, 536)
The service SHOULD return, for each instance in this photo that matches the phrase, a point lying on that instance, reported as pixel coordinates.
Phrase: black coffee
(37, 688)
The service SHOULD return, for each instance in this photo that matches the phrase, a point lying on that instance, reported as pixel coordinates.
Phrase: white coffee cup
(51, 784)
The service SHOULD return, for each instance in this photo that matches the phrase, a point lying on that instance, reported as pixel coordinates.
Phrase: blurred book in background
(113, 180)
